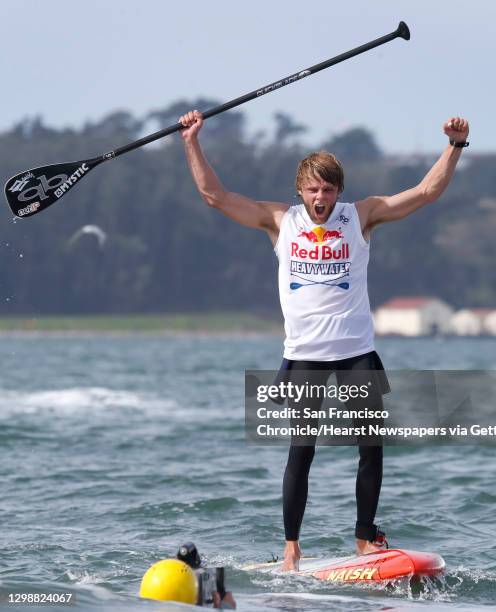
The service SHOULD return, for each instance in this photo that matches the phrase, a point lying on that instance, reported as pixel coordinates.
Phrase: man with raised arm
(323, 251)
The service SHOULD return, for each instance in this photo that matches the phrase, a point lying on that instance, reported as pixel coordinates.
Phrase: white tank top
(323, 285)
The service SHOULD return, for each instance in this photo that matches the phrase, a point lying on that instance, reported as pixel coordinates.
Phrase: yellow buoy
(170, 580)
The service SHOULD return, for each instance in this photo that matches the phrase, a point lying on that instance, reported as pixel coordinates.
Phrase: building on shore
(472, 322)
(413, 316)
(489, 323)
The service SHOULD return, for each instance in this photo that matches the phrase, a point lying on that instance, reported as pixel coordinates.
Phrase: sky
(73, 62)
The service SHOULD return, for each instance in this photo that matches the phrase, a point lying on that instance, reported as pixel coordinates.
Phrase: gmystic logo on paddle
(69, 182)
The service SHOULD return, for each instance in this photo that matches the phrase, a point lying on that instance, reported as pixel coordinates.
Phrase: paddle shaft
(401, 32)
(32, 191)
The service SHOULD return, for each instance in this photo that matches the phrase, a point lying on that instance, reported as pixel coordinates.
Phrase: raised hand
(456, 129)
(193, 122)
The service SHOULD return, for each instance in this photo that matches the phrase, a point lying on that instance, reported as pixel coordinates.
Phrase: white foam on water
(471, 574)
(106, 402)
(90, 583)
(77, 400)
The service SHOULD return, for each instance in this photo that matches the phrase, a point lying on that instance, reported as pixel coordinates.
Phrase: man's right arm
(266, 216)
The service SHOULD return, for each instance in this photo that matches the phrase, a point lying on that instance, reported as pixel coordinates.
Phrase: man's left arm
(381, 209)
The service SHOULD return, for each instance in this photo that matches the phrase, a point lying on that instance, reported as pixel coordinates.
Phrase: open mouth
(319, 209)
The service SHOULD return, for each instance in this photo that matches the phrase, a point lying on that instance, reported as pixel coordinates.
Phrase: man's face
(319, 198)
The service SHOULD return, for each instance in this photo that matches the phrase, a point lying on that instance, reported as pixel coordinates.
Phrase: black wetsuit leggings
(295, 489)
(369, 476)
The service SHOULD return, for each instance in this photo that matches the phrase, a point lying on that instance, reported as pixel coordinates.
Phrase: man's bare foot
(292, 555)
(364, 547)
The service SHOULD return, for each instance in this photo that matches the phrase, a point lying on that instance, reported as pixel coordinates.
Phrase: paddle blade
(32, 191)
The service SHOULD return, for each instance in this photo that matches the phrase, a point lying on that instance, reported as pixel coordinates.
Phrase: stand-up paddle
(31, 191)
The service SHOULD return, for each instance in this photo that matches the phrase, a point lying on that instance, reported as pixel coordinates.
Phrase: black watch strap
(459, 145)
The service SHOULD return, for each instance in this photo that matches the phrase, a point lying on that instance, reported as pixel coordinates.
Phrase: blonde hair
(321, 164)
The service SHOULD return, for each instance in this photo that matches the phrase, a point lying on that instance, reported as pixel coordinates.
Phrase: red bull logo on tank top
(322, 252)
(323, 285)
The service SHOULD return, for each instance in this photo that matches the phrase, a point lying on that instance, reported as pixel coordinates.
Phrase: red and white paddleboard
(383, 565)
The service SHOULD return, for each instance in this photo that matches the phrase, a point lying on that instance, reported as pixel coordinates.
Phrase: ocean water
(115, 450)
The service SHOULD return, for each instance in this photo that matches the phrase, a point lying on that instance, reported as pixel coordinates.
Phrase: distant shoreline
(220, 323)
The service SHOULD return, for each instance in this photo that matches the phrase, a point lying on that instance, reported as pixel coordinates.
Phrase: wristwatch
(458, 145)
